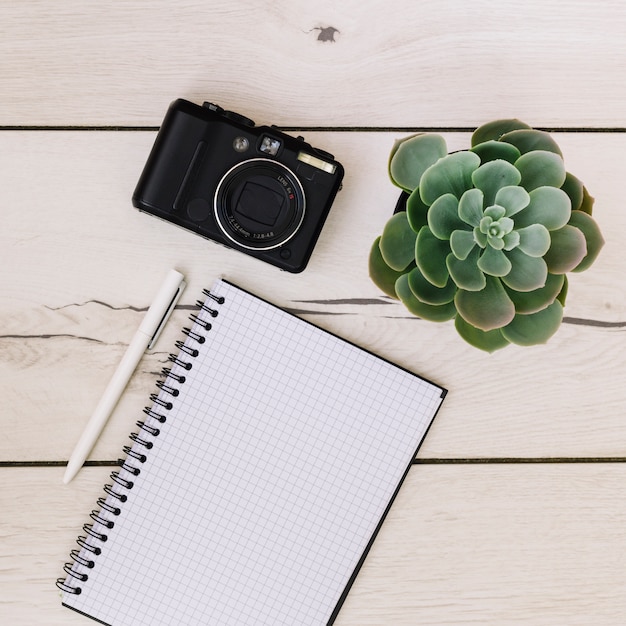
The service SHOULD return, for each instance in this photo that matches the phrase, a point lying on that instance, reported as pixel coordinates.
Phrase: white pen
(143, 339)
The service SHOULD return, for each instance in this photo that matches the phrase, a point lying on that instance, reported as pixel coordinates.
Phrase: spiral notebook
(257, 480)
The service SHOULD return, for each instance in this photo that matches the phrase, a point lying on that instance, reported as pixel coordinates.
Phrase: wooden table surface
(515, 510)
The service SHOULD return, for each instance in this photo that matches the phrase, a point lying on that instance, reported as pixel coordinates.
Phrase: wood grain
(462, 545)
(300, 63)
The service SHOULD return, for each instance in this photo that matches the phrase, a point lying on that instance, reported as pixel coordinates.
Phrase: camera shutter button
(240, 119)
(212, 107)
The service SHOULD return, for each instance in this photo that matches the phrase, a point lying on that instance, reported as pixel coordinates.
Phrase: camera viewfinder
(270, 145)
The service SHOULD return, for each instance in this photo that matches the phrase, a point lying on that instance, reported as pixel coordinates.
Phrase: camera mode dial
(231, 115)
(240, 119)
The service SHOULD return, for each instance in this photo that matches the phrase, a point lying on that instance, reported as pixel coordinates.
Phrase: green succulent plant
(486, 236)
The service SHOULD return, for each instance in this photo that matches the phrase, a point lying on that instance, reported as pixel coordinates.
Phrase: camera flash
(315, 162)
(269, 145)
(240, 144)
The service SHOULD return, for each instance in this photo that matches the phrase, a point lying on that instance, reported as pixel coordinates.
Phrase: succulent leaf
(533, 301)
(593, 237)
(535, 328)
(381, 274)
(588, 200)
(428, 293)
(548, 206)
(451, 174)
(541, 168)
(513, 199)
(440, 313)
(461, 243)
(397, 243)
(416, 211)
(511, 240)
(567, 250)
(412, 156)
(529, 139)
(443, 216)
(493, 176)
(506, 225)
(496, 150)
(534, 240)
(495, 212)
(471, 207)
(487, 309)
(430, 255)
(562, 297)
(480, 238)
(466, 273)
(494, 130)
(494, 262)
(489, 341)
(495, 242)
(527, 273)
(573, 187)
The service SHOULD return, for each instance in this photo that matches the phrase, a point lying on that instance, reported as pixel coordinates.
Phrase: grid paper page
(261, 493)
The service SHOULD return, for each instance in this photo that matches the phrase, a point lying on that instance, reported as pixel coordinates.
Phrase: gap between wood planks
(425, 461)
(325, 129)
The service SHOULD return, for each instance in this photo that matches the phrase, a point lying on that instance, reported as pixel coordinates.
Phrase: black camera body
(254, 189)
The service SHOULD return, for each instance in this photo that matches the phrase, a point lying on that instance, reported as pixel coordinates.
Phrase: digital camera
(254, 189)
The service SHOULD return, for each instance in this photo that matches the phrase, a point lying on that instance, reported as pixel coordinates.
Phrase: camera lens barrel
(259, 204)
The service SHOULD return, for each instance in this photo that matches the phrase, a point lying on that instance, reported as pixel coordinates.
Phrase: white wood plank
(397, 63)
(78, 261)
(494, 545)
(487, 544)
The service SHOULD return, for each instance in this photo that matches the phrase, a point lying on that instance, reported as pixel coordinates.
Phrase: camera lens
(259, 204)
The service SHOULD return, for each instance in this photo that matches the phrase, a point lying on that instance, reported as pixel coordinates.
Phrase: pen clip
(167, 314)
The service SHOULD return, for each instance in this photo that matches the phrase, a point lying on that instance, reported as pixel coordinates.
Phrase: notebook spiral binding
(97, 533)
